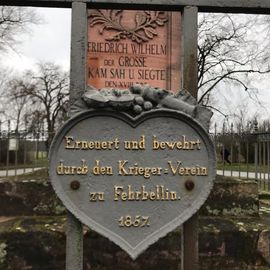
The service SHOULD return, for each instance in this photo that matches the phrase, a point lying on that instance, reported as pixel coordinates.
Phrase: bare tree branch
(47, 91)
(227, 52)
(13, 22)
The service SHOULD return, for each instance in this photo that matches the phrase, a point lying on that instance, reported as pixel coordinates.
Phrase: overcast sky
(50, 41)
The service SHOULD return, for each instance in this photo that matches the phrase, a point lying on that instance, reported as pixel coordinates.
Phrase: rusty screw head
(75, 185)
(189, 184)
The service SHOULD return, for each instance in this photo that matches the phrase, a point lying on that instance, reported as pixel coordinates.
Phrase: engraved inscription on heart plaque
(132, 179)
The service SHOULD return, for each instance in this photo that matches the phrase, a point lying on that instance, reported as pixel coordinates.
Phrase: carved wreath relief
(127, 47)
(145, 24)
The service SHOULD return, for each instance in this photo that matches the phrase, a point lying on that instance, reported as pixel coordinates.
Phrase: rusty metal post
(74, 245)
(190, 252)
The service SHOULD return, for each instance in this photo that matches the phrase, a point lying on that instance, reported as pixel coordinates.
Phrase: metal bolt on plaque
(135, 164)
(75, 185)
(189, 184)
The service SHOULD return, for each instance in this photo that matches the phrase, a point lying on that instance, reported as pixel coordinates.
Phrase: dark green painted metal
(230, 6)
(74, 244)
(190, 252)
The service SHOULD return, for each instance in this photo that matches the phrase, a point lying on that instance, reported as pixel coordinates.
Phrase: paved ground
(250, 175)
(17, 172)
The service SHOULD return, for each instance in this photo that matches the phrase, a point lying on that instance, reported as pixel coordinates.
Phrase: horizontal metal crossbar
(226, 6)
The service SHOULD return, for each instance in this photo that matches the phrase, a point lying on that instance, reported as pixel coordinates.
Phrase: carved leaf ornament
(145, 22)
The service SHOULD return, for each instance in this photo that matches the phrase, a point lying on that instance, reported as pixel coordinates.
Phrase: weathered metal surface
(241, 6)
(78, 51)
(74, 233)
(190, 61)
(74, 243)
(106, 200)
(190, 244)
(190, 228)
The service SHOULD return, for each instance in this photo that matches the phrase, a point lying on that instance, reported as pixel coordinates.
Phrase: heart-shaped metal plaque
(132, 180)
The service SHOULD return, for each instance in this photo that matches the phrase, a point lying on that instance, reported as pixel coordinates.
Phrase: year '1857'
(137, 221)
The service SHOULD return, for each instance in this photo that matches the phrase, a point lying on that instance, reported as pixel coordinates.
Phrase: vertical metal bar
(42, 140)
(247, 158)
(37, 148)
(215, 135)
(261, 169)
(190, 257)
(256, 160)
(74, 245)
(259, 163)
(24, 151)
(264, 165)
(232, 142)
(190, 253)
(223, 157)
(34, 149)
(47, 150)
(268, 165)
(239, 158)
(223, 149)
(1, 143)
(189, 50)
(8, 137)
(24, 144)
(16, 152)
(78, 50)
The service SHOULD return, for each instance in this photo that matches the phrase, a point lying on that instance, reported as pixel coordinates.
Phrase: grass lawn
(34, 164)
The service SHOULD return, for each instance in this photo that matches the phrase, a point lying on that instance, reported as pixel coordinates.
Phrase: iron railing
(244, 155)
(240, 154)
(22, 151)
